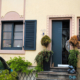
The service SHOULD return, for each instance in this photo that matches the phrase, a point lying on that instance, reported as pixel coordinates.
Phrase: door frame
(49, 33)
(49, 27)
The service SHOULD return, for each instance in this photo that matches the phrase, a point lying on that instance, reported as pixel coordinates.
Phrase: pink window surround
(12, 16)
(59, 17)
(78, 18)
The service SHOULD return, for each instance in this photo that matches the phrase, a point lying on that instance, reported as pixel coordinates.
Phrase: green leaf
(19, 64)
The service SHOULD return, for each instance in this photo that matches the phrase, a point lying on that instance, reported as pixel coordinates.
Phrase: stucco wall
(12, 5)
(7, 56)
(39, 10)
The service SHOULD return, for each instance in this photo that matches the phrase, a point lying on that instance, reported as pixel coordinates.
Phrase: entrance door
(57, 42)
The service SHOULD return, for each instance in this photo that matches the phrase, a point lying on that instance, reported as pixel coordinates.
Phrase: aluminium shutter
(30, 35)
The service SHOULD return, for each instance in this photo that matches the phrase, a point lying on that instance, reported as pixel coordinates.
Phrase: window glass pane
(1, 65)
(12, 33)
(7, 27)
(18, 43)
(6, 35)
(18, 27)
(18, 35)
(6, 43)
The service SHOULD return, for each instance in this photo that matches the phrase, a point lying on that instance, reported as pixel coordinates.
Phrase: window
(12, 35)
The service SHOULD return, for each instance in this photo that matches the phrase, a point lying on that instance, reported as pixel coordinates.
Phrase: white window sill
(12, 52)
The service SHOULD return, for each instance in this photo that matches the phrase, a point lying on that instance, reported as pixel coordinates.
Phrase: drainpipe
(24, 20)
(0, 22)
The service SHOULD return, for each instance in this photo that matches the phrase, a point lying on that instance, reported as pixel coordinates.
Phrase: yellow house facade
(45, 13)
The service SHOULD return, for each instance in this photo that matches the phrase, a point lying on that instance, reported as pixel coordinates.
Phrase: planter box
(46, 65)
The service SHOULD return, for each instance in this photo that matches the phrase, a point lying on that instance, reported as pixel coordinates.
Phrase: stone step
(49, 75)
(55, 78)
(54, 73)
(59, 69)
(58, 78)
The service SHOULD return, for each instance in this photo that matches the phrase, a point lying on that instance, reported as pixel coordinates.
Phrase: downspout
(0, 22)
(24, 20)
(0, 9)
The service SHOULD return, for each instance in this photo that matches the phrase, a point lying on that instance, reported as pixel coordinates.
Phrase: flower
(74, 41)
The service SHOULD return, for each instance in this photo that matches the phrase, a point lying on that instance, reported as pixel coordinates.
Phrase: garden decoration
(45, 41)
(67, 46)
(71, 70)
(72, 77)
(73, 59)
(4, 65)
(74, 41)
(73, 56)
(6, 73)
(43, 57)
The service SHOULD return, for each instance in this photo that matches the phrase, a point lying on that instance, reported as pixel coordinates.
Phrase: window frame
(10, 48)
(79, 28)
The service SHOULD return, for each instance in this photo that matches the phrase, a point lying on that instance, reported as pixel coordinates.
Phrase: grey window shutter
(30, 35)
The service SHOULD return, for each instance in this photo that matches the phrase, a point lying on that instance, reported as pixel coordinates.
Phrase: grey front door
(57, 42)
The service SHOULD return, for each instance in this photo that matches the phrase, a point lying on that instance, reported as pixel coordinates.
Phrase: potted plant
(73, 56)
(43, 57)
(45, 41)
(74, 41)
(73, 59)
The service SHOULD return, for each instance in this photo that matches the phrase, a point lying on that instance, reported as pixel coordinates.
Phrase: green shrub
(5, 75)
(45, 41)
(73, 58)
(19, 64)
(43, 55)
(38, 68)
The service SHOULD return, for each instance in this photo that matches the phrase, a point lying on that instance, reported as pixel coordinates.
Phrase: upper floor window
(12, 35)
